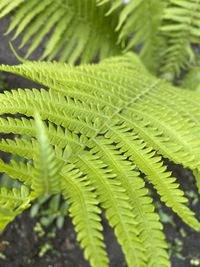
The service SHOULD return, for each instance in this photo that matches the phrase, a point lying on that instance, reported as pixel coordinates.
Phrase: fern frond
(150, 229)
(139, 21)
(110, 121)
(20, 126)
(18, 146)
(152, 166)
(181, 29)
(23, 126)
(18, 170)
(85, 214)
(12, 203)
(47, 166)
(20, 101)
(119, 96)
(113, 199)
(74, 29)
(165, 123)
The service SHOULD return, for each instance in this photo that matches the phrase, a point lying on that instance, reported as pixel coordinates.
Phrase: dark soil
(25, 247)
(184, 243)
(22, 246)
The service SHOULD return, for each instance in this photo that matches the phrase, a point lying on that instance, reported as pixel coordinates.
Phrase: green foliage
(50, 210)
(141, 20)
(46, 166)
(72, 29)
(98, 133)
(12, 203)
(181, 29)
(101, 132)
(163, 31)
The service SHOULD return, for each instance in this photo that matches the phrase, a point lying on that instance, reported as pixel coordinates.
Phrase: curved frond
(18, 170)
(18, 146)
(57, 135)
(85, 214)
(26, 102)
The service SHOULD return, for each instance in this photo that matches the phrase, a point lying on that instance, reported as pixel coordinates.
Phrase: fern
(140, 21)
(164, 32)
(12, 203)
(181, 29)
(86, 214)
(101, 132)
(78, 29)
(47, 167)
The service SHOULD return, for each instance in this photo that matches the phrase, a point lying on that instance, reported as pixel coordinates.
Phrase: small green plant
(50, 210)
(102, 131)
(176, 249)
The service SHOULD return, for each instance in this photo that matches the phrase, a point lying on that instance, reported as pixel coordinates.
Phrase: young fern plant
(105, 127)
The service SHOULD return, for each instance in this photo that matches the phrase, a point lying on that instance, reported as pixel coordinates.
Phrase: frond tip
(47, 166)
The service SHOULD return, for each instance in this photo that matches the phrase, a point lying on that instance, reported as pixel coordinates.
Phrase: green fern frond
(47, 166)
(12, 203)
(113, 199)
(139, 21)
(156, 134)
(18, 146)
(180, 27)
(150, 229)
(18, 170)
(166, 122)
(85, 214)
(22, 100)
(106, 123)
(21, 126)
(24, 126)
(78, 29)
(153, 168)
